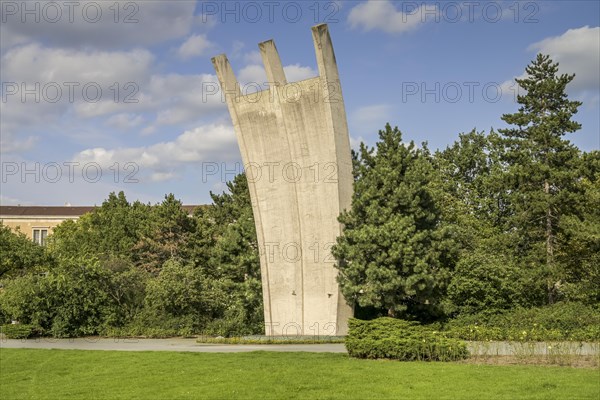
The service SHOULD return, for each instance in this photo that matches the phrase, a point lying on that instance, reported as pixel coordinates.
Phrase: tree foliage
(233, 257)
(164, 236)
(394, 252)
(541, 174)
(106, 234)
(19, 254)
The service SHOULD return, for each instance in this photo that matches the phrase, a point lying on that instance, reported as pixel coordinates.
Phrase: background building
(37, 222)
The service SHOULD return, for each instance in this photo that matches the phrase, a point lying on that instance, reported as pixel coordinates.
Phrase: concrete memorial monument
(294, 142)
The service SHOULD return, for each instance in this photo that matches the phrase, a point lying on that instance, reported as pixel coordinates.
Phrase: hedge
(401, 340)
(17, 331)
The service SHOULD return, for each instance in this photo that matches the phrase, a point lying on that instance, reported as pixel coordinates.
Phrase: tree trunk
(549, 247)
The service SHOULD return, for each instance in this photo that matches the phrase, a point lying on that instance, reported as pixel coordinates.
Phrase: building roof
(58, 211)
(44, 211)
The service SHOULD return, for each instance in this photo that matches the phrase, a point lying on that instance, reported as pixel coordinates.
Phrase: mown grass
(76, 374)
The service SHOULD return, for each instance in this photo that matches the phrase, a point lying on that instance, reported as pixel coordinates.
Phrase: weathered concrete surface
(295, 147)
(533, 348)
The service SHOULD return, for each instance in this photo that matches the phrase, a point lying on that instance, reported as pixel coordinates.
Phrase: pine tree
(165, 236)
(236, 249)
(541, 166)
(393, 253)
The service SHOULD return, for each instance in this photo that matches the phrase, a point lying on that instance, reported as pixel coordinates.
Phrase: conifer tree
(541, 165)
(393, 253)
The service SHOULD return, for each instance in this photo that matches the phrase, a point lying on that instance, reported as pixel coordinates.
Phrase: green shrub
(401, 340)
(491, 283)
(590, 333)
(18, 331)
(560, 316)
(26, 299)
(183, 294)
(20, 254)
(137, 331)
(150, 324)
(560, 321)
(67, 302)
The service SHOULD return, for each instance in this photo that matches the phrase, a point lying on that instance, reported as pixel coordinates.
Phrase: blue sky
(434, 69)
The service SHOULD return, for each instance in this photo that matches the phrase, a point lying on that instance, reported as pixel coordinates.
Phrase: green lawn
(75, 374)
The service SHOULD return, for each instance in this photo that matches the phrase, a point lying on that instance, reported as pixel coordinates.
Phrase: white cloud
(355, 142)
(253, 57)
(577, 51)
(368, 120)
(64, 81)
(11, 201)
(194, 46)
(184, 98)
(125, 121)
(91, 82)
(236, 49)
(166, 99)
(162, 176)
(11, 144)
(34, 63)
(160, 161)
(149, 130)
(383, 15)
(11, 39)
(255, 73)
(296, 72)
(510, 89)
(173, 98)
(375, 113)
(157, 99)
(135, 23)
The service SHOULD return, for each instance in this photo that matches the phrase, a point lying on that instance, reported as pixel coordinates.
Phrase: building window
(39, 236)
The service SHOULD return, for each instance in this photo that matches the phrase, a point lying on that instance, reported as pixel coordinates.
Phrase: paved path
(176, 344)
(179, 344)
